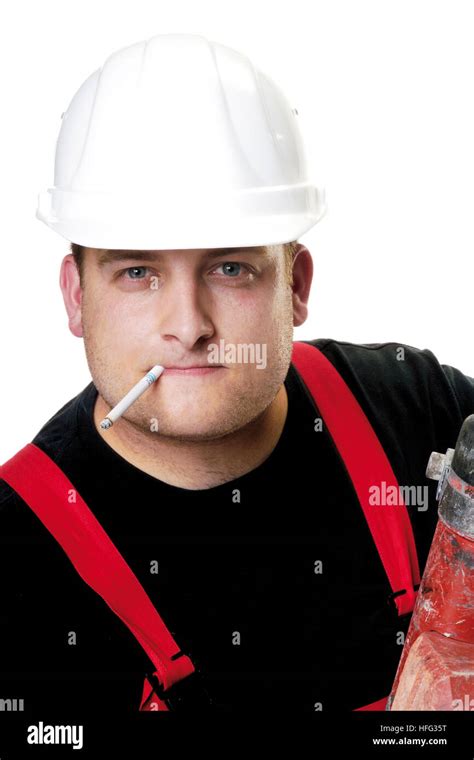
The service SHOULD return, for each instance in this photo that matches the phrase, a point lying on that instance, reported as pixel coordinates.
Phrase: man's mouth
(197, 369)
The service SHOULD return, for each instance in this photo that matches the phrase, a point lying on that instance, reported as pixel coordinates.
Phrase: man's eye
(229, 268)
(135, 273)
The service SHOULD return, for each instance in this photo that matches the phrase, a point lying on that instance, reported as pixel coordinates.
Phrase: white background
(384, 92)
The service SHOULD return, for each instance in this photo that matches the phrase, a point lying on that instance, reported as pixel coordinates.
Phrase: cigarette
(134, 393)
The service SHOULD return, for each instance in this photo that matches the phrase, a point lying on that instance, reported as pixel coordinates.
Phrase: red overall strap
(51, 495)
(367, 465)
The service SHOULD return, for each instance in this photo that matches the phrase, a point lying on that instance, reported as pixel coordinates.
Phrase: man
(222, 489)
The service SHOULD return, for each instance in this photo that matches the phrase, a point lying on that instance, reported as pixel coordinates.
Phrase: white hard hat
(180, 142)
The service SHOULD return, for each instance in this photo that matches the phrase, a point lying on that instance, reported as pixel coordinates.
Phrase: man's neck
(197, 465)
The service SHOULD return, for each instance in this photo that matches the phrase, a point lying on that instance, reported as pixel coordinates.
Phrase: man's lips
(196, 369)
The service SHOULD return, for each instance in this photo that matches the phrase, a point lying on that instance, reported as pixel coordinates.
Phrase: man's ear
(302, 278)
(72, 294)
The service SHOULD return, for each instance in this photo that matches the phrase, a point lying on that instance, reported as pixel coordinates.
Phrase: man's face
(169, 307)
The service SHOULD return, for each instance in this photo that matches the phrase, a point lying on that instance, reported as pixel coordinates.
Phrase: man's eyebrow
(109, 256)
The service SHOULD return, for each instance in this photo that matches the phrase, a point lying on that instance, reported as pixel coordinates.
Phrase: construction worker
(250, 488)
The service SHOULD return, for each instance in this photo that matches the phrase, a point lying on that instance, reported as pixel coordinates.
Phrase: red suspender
(47, 490)
(367, 465)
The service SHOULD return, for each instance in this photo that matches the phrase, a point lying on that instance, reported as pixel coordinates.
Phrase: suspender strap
(51, 495)
(367, 465)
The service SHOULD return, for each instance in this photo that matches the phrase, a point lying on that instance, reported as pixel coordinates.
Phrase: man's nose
(184, 312)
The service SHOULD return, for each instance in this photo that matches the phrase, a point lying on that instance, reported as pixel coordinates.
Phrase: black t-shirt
(236, 582)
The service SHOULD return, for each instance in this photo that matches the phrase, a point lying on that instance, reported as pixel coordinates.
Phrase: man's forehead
(106, 256)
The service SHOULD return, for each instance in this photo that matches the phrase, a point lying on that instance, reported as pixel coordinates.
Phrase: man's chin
(181, 427)
(187, 434)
